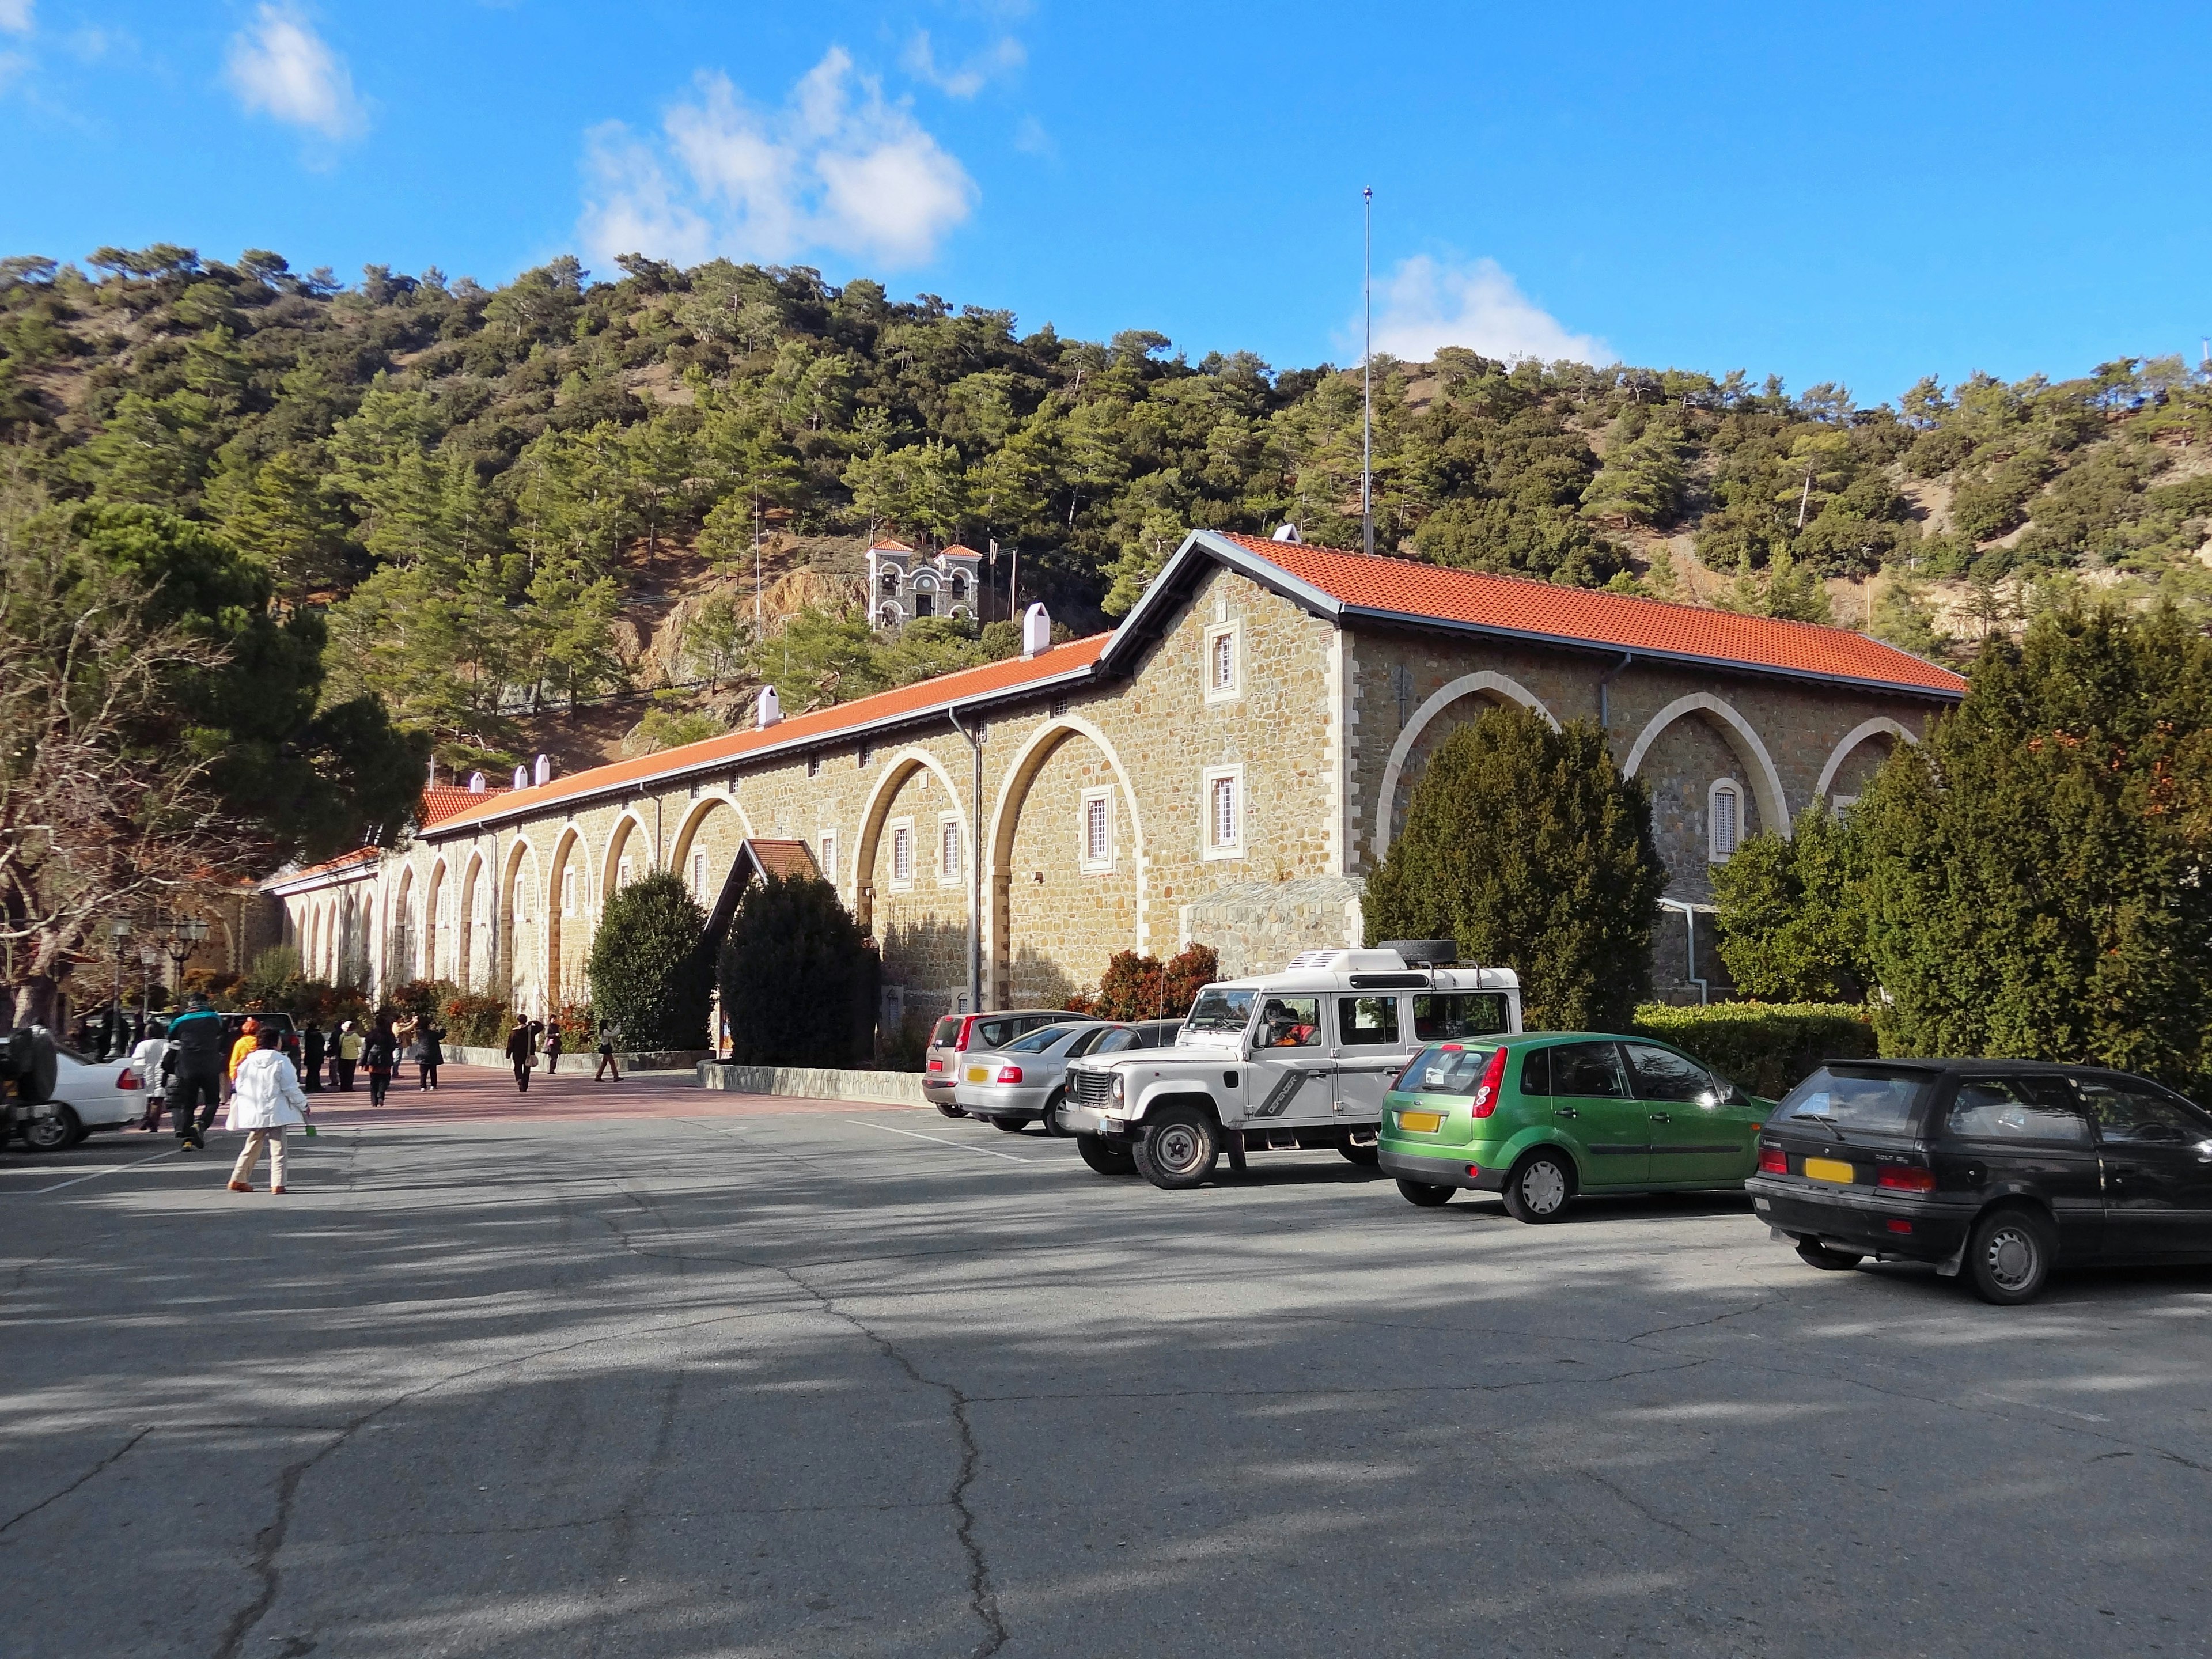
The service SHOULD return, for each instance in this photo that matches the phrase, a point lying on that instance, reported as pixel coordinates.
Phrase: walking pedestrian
(146, 1065)
(311, 1059)
(521, 1053)
(196, 1046)
(381, 1052)
(349, 1045)
(607, 1052)
(433, 1055)
(553, 1047)
(331, 1055)
(266, 1100)
(245, 1045)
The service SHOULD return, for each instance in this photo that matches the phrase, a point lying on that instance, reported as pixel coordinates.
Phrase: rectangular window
(830, 856)
(621, 874)
(901, 855)
(1449, 1016)
(567, 892)
(948, 847)
(1223, 679)
(1725, 820)
(699, 876)
(1097, 830)
(1367, 1021)
(1224, 814)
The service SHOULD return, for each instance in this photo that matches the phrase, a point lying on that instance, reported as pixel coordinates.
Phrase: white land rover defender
(1298, 1060)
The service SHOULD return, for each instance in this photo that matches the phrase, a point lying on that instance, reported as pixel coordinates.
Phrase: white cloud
(282, 68)
(836, 168)
(1423, 304)
(15, 15)
(1003, 56)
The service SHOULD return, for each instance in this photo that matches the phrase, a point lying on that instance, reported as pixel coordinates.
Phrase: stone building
(1226, 767)
(904, 584)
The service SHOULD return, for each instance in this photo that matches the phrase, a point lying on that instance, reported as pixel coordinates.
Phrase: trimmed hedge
(1766, 1048)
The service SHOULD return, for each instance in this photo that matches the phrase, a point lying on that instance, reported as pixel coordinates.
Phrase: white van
(1289, 1061)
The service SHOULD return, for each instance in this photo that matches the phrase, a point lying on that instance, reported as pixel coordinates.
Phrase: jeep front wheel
(1179, 1148)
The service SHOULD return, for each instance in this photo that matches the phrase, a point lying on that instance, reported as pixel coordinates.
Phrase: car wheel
(1538, 1189)
(1179, 1148)
(1422, 1192)
(1814, 1254)
(1012, 1126)
(1109, 1157)
(1053, 1126)
(951, 1110)
(1365, 1156)
(2010, 1254)
(57, 1133)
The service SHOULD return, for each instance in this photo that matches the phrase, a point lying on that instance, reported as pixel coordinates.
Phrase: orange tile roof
(442, 800)
(1518, 604)
(783, 857)
(889, 547)
(964, 686)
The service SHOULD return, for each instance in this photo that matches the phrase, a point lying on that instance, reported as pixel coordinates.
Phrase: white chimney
(476, 783)
(1286, 532)
(1036, 631)
(768, 710)
(522, 777)
(544, 772)
(434, 771)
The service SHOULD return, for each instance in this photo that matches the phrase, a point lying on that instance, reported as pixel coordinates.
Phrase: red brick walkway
(467, 1094)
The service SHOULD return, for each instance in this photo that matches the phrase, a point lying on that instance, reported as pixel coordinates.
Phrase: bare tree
(95, 821)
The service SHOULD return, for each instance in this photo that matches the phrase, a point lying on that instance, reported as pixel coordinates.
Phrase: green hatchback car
(1540, 1118)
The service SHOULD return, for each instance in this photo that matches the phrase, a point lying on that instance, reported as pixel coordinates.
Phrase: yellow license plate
(1423, 1123)
(977, 1074)
(1827, 1169)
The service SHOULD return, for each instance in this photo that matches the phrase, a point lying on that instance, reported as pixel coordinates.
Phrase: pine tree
(1527, 847)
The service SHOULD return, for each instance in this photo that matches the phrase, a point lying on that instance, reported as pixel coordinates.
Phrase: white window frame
(948, 840)
(1720, 848)
(1209, 780)
(699, 878)
(1095, 863)
(830, 856)
(568, 890)
(901, 853)
(1216, 689)
(623, 876)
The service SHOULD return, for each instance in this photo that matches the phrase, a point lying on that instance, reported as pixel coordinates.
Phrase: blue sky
(1867, 193)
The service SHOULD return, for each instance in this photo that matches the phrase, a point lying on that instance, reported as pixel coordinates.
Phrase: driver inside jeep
(1290, 1028)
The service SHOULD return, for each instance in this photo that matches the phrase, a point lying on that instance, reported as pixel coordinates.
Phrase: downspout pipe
(974, 739)
(1690, 972)
(1605, 688)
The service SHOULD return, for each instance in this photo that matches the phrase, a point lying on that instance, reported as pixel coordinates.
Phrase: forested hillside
(513, 504)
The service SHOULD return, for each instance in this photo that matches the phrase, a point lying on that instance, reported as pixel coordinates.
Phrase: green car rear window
(1445, 1069)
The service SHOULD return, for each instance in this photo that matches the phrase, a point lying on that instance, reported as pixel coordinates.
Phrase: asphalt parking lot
(721, 1375)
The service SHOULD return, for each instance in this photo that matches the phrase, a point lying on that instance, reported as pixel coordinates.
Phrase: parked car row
(2000, 1171)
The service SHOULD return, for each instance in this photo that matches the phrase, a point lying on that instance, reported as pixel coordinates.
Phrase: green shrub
(475, 1022)
(799, 980)
(1765, 1048)
(420, 999)
(649, 974)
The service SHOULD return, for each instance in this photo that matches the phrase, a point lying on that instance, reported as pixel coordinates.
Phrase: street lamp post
(185, 933)
(150, 958)
(119, 931)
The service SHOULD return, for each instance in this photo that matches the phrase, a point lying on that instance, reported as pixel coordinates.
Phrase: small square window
(621, 874)
(1223, 666)
(699, 876)
(814, 766)
(830, 856)
(567, 892)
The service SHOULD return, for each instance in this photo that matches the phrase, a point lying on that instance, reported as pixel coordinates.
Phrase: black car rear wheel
(1814, 1254)
(56, 1131)
(1423, 1194)
(1109, 1157)
(2010, 1254)
(1538, 1189)
(1012, 1126)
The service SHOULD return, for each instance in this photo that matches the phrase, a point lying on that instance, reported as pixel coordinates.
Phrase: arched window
(890, 584)
(959, 584)
(1724, 819)
(888, 616)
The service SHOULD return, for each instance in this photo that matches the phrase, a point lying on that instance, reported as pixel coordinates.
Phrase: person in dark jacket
(381, 1053)
(522, 1053)
(432, 1055)
(196, 1040)
(311, 1058)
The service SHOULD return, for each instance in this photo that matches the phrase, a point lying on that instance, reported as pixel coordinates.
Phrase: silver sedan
(1018, 1084)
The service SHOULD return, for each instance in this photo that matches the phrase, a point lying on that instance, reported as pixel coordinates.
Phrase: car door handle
(1662, 1117)
(1565, 1111)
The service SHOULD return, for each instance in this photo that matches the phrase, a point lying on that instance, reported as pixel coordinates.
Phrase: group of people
(527, 1038)
(385, 1046)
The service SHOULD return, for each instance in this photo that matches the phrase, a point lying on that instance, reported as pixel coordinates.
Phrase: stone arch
(1500, 689)
(433, 919)
(1743, 742)
(1858, 734)
(402, 946)
(687, 832)
(1006, 815)
(890, 780)
(618, 840)
(470, 941)
(514, 908)
(569, 847)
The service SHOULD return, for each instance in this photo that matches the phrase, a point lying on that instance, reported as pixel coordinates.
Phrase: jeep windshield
(1220, 1013)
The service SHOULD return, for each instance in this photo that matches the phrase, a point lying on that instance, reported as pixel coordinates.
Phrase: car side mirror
(1709, 1099)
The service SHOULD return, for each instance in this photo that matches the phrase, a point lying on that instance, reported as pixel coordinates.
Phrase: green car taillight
(1493, 1078)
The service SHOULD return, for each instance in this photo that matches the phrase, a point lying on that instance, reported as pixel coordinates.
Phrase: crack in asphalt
(105, 1462)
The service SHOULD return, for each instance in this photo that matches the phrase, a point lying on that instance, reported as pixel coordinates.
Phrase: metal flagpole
(1367, 383)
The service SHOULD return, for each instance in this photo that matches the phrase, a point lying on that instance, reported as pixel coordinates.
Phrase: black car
(2000, 1168)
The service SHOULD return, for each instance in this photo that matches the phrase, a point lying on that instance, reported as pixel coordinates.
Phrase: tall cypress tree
(1527, 847)
(2035, 877)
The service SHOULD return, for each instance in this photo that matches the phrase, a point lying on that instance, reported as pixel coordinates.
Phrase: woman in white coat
(265, 1099)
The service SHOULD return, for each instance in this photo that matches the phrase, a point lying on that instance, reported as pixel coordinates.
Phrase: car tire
(1108, 1158)
(2009, 1255)
(1365, 1156)
(56, 1133)
(1050, 1122)
(1428, 1195)
(1541, 1187)
(1012, 1126)
(951, 1110)
(1814, 1254)
(1179, 1148)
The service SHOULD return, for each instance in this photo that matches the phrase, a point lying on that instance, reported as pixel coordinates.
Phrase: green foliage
(799, 981)
(1764, 1049)
(1528, 847)
(475, 1022)
(420, 999)
(648, 966)
(2033, 871)
(1903, 618)
(1790, 926)
(1135, 988)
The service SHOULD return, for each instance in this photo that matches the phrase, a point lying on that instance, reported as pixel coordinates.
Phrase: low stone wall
(673, 1059)
(814, 1082)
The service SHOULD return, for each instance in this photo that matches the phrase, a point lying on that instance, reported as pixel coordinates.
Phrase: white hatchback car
(88, 1095)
